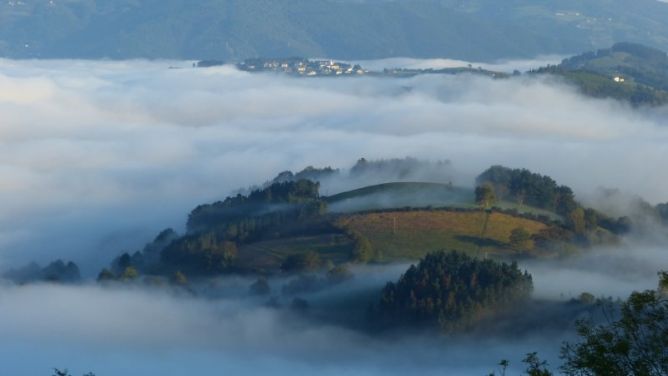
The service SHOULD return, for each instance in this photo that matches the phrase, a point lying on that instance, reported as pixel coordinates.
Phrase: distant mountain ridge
(480, 30)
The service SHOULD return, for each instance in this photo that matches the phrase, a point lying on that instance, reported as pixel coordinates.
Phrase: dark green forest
(452, 291)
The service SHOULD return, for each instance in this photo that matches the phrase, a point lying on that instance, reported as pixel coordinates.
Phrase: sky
(98, 157)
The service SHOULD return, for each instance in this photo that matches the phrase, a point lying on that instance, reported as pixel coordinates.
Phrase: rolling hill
(626, 71)
(287, 227)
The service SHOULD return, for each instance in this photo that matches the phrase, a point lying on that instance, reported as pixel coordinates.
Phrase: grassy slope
(412, 234)
(396, 195)
(415, 195)
(644, 70)
(417, 231)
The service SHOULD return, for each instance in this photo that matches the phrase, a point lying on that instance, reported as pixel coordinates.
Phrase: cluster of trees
(313, 282)
(275, 197)
(362, 251)
(259, 224)
(631, 341)
(302, 262)
(525, 187)
(57, 272)
(128, 267)
(485, 196)
(203, 254)
(635, 343)
(309, 173)
(643, 69)
(215, 231)
(401, 169)
(451, 290)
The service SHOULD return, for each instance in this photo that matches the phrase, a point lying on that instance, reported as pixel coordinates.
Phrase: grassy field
(398, 195)
(417, 195)
(412, 234)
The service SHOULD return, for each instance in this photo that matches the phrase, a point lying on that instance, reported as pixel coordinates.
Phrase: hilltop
(287, 226)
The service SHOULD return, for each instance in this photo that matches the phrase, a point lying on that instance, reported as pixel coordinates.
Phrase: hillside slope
(627, 71)
(346, 29)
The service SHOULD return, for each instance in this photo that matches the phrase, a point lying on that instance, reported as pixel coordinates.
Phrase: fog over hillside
(99, 156)
(333, 187)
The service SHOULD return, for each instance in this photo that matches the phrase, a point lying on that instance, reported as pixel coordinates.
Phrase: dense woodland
(527, 188)
(56, 272)
(453, 291)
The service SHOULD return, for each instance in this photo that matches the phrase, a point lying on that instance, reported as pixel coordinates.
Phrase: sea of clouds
(97, 157)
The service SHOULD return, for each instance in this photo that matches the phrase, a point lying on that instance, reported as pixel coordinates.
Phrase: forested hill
(345, 29)
(627, 71)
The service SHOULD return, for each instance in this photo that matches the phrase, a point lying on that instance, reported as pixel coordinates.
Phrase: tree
(485, 195)
(633, 341)
(526, 187)
(105, 275)
(535, 366)
(452, 291)
(576, 220)
(634, 344)
(519, 238)
(122, 262)
(363, 251)
(663, 283)
(179, 279)
(59, 271)
(301, 262)
(129, 274)
(202, 253)
(587, 298)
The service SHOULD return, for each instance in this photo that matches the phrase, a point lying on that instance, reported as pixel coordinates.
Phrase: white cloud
(507, 66)
(138, 332)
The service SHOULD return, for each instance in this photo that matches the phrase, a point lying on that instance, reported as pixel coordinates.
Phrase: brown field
(412, 234)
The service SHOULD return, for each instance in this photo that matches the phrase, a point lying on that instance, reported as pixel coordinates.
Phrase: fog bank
(97, 157)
